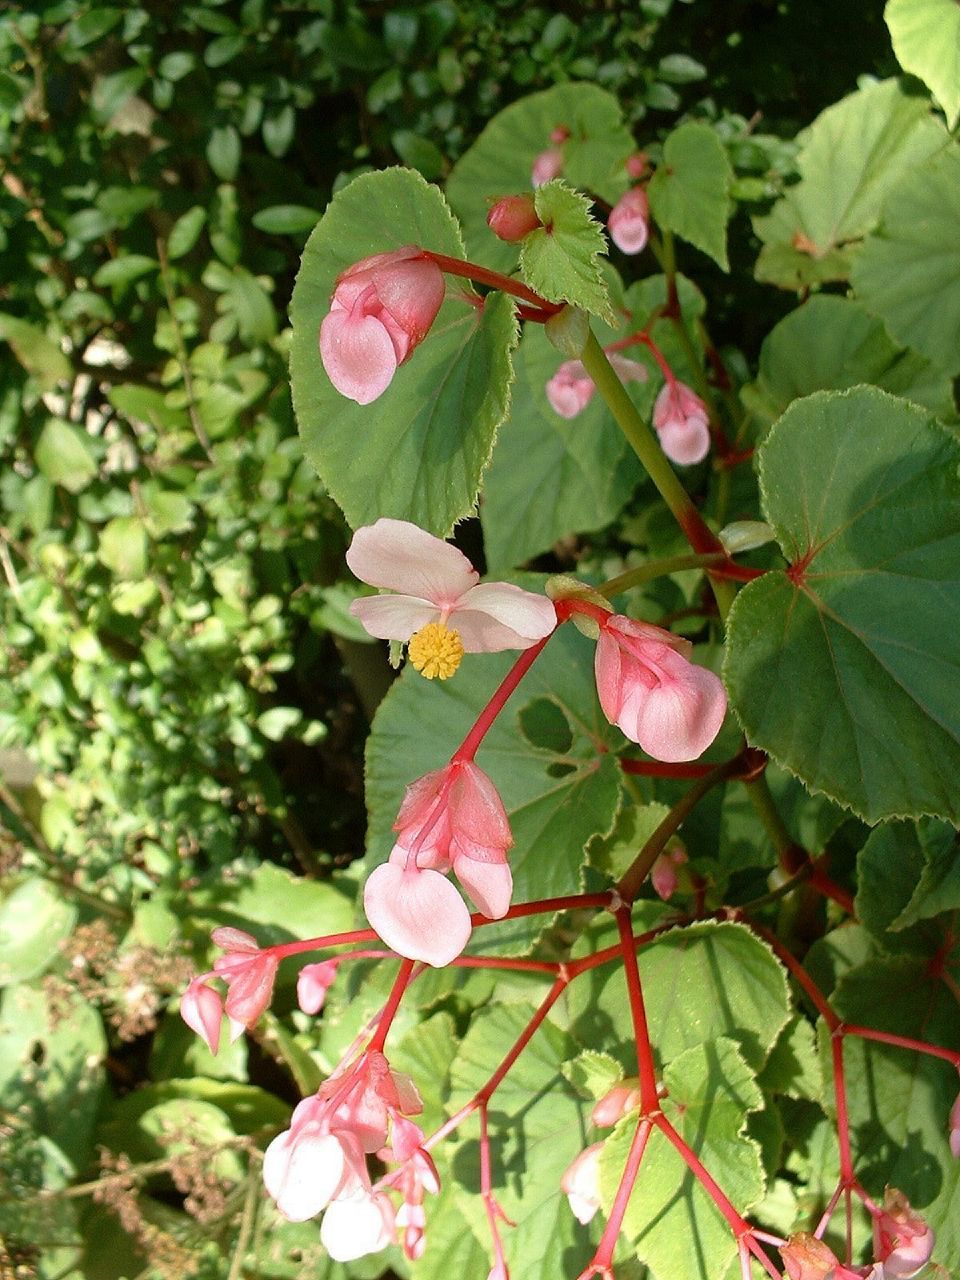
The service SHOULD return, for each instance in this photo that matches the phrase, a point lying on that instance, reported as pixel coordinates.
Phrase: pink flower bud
(681, 421)
(629, 221)
(616, 1103)
(955, 1128)
(513, 217)
(559, 134)
(313, 983)
(570, 389)
(547, 165)
(581, 1183)
(202, 1010)
(638, 164)
(663, 874)
(650, 689)
(906, 1242)
(249, 974)
(381, 310)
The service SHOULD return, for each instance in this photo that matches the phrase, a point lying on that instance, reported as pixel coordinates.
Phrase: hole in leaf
(559, 769)
(544, 725)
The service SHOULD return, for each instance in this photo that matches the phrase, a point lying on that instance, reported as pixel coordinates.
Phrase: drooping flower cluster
(381, 310)
(681, 421)
(249, 975)
(319, 1163)
(431, 584)
(571, 388)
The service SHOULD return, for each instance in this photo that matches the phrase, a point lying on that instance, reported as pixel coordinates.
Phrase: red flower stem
(649, 1100)
(609, 954)
(903, 1042)
(602, 1260)
(823, 884)
(657, 769)
(571, 902)
(486, 1189)
(793, 965)
(468, 748)
(483, 275)
(284, 949)
(505, 962)
(392, 1005)
(843, 1118)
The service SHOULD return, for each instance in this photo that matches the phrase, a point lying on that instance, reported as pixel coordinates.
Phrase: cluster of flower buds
(248, 973)
(571, 388)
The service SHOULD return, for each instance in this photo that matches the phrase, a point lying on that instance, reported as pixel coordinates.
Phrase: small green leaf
(65, 456)
(38, 354)
(185, 232)
(34, 919)
(123, 547)
(926, 40)
(690, 191)
(277, 722)
(561, 259)
(223, 152)
(122, 271)
(418, 153)
(286, 219)
(862, 491)
(278, 130)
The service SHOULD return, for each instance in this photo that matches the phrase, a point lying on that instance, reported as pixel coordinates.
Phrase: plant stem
(657, 569)
(495, 279)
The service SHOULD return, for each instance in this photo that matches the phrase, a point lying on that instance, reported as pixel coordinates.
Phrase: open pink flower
(451, 818)
(571, 389)
(381, 309)
(581, 1183)
(546, 166)
(432, 584)
(906, 1242)
(681, 421)
(649, 687)
(629, 221)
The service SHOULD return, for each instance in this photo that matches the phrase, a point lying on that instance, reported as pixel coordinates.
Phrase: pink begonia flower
(682, 423)
(357, 1224)
(581, 1183)
(249, 974)
(382, 308)
(663, 874)
(955, 1128)
(616, 1103)
(513, 217)
(201, 1008)
(571, 389)
(431, 585)
(546, 166)
(452, 818)
(649, 688)
(629, 221)
(313, 983)
(906, 1242)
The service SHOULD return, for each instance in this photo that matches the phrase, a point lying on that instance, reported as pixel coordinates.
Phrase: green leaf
(907, 872)
(277, 722)
(276, 905)
(165, 510)
(908, 271)
(223, 152)
(38, 354)
(672, 1222)
(34, 920)
(418, 153)
(926, 40)
(561, 259)
(501, 160)
(555, 803)
(690, 191)
(851, 156)
(64, 455)
(125, 269)
(278, 130)
(419, 452)
(540, 1129)
(286, 219)
(185, 232)
(861, 490)
(793, 1067)
(123, 547)
(832, 344)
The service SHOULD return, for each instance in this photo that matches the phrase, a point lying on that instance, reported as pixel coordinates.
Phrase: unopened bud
(638, 164)
(559, 134)
(513, 217)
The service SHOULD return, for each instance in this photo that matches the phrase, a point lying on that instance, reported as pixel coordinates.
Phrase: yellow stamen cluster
(435, 651)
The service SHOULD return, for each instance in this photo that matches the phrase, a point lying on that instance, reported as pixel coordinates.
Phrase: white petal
(498, 615)
(357, 1226)
(393, 617)
(402, 557)
(302, 1172)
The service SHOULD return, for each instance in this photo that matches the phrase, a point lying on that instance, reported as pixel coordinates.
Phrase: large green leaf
(831, 344)
(556, 798)
(851, 155)
(500, 161)
(908, 271)
(845, 667)
(539, 1128)
(908, 872)
(418, 453)
(926, 40)
(674, 1225)
(690, 191)
(35, 919)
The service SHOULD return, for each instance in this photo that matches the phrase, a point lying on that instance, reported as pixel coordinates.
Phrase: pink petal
(358, 354)
(230, 939)
(202, 1010)
(570, 389)
(628, 223)
(547, 165)
(249, 994)
(412, 293)
(499, 615)
(393, 617)
(418, 914)
(681, 717)
(628, 370)
(581, 1183)
(356, 1226)
(685, 442)
(401, 557)
(302, 1172)
(313, 983)
(489, 884)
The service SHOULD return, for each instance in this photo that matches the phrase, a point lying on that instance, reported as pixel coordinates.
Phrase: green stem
(789, 854)
(657, 569)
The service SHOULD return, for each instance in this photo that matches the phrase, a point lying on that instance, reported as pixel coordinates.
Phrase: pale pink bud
(513, 217)
(955, 1128)
(681, 421)
(649, 688)
(906, 1242)
(629, 221)
(546, 166)
(313, 983)
(202, 1010)
(249, 974)
(381, 310)
(498, 1271)
(559, 134)
(807, 1258)
(570, 389)
(581, 1183)
(616, 1103)
(411, 1222)
(638, 164)
(663, 874)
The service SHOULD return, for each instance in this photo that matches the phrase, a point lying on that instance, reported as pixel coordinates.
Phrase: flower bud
(547, 165)
(513, 217)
